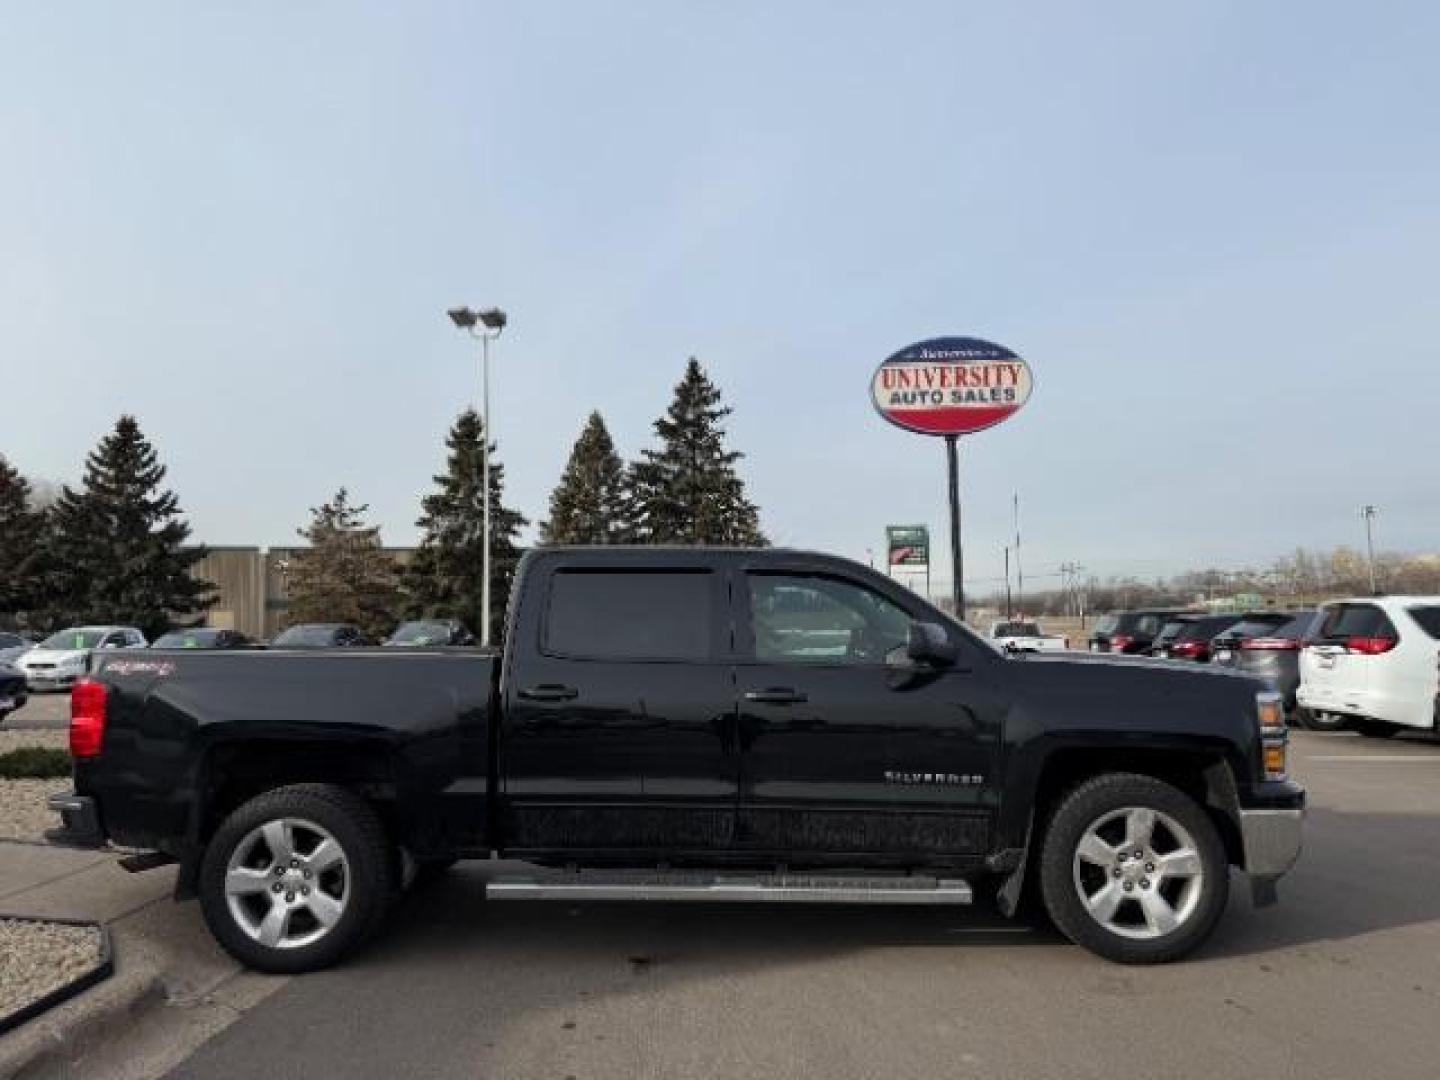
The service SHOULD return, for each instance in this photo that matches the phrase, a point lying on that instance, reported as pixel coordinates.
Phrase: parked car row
(59, 661)
(1368, 663)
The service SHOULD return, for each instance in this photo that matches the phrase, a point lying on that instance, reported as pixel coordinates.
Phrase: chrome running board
(726, 888)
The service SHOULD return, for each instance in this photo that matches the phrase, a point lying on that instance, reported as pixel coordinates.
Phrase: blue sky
(1211, 229)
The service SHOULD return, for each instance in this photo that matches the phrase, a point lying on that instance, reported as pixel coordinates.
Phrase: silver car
(13, 646)
(58, 661)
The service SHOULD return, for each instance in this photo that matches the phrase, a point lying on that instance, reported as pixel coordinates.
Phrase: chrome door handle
(776, 695)
(549, 692)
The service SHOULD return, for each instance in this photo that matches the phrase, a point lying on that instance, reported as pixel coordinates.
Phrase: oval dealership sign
(950, 386)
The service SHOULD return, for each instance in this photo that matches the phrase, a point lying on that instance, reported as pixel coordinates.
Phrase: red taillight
(1370, 646)
(1120, 642)
(1187, 648)
(87, 718)
(1270, 644)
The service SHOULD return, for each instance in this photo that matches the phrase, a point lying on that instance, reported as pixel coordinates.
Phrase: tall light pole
(485, 325)
(1368, 513)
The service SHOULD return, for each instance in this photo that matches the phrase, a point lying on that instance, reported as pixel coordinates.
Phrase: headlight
(1274, 736)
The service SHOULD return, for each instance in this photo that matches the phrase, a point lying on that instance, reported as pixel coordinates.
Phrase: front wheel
(296, 878)
(1133, 869)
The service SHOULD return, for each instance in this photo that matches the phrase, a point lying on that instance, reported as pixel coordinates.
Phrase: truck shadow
(1359, 873)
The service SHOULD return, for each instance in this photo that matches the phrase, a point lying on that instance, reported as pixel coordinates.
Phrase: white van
(1374, 662)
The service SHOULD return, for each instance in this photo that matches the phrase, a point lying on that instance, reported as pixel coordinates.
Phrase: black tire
(1376, 729)
(1325, 721)
(1089, 803)
(370, 880)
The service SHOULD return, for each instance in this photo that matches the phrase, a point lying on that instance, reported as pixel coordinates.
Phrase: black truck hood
(1084, 660)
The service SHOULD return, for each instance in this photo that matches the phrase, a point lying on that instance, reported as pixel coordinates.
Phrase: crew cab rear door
(848, 749)
(617, 734)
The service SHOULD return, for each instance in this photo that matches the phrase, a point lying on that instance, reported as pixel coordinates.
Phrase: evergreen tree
(344, 575)
(22, 546)
(589, 505)
(444, 578)
(120, 552)
(687, 491)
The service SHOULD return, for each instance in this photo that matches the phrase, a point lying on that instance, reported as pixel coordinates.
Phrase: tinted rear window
(1355, 620)
(1205, 629)
(1297, 628)
(1142, 624)
(1017, 629)
(629, 615)
(1257, 625)
(1428, 618)
(9, 641)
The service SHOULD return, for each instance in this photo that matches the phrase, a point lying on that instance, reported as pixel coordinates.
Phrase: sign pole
(957, 557)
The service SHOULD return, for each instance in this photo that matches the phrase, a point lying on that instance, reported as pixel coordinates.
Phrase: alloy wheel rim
(287, 883)
(1138, 873)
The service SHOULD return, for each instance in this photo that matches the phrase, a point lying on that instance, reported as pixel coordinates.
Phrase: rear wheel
(1133, 869)
(1324, 721)
(296, 878)
(1376, 729)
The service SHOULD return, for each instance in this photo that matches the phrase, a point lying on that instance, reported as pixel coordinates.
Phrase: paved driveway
(1342, 979)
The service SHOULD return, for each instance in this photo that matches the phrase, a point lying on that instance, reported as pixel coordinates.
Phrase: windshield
(188, 639)
(307, 635)
(420, 633)
(1017, 629)
(67, 640)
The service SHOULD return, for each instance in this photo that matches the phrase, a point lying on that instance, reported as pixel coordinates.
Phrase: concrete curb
(48, 1041)
(103, 968)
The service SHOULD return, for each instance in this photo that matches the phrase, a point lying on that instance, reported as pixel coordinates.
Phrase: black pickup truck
(690, 723)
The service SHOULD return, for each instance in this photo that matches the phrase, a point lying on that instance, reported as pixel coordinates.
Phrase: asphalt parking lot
(1341, 979)
(42, 711)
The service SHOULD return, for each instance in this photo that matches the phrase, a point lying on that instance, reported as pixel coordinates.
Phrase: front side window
(815, 619)
(630, 615)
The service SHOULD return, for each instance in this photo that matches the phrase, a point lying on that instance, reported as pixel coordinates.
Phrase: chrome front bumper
(1272, 840)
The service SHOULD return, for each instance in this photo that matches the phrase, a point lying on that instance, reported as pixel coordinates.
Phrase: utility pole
(1009, 605)
(1019, 571)
(1368, 512)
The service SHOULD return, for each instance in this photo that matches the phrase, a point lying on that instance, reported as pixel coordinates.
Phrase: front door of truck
(618, 730)
(846, 747)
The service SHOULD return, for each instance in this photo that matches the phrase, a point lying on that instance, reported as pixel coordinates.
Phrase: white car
(1022, 635)
(62, 658)
(1371, 663)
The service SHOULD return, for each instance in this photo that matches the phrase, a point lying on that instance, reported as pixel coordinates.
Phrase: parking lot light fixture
(486, 325)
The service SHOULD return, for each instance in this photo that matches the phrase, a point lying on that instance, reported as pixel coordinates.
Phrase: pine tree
(120, 552)
(589, 505)
(444, 578)
(22, 546)
(687, 491)
(345, 575)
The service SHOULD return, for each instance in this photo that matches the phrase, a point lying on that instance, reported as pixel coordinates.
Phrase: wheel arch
(1203, 774)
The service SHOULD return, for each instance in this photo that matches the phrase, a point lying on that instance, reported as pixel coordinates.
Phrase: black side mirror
(930, 644)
